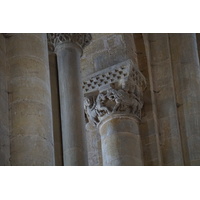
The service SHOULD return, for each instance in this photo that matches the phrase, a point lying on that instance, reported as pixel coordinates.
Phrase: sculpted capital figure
(115, 90)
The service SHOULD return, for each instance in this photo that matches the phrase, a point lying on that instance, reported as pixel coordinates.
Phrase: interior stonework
(100, 99)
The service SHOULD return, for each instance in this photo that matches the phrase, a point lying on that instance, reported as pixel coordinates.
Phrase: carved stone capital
(55, 39)
(115, 90)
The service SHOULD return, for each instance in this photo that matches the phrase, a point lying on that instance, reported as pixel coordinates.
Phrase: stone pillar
(30, 100)
(68, 48)
(186, 69)
(164, 95)
(113, 102)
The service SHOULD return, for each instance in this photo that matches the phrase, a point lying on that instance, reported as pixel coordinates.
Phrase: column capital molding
(56, 39)
(114, 90)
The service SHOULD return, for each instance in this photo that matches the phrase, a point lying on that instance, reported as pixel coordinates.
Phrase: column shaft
(165, 99)
(30, 100)
(121, 145)
(71, 98)
(186, 71)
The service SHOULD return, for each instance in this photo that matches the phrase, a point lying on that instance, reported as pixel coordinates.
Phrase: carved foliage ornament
(81, 39)
(115, 90)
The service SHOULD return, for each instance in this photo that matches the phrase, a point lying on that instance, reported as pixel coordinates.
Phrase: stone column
(113, 102)
(186, 69)
(30, 100)
(68, 48)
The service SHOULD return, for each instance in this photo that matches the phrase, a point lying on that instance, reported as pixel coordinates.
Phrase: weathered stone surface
(112, 49)
(30, 100)
(71, 98)
(185, 62)
(93, 145)
(120, 147)
(165, 97)
(148, 126)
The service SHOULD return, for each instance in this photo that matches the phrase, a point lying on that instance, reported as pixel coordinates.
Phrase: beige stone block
(25, 45)
(4, 113)
(96, 46)
(93, 146)
(110, 147)
(74, 155)
(158, 47)
(120, 145)
(195, 163)
(40, 36)
(194, 147)
(125, 161)
(31, 150)
(150, 151)
(87, 66)
(29, 89)
(148, 139)
(154, 162)
(166, 105)
(31, 118)
(147, 107)
(115, 41)
(162, 75)
(193, 123)
(4, 135)
(4, 155)
(129, 145)
(168, 127)
(109, 58)
(171, 151)
(147, 128)
(116, 125)
(2, 62)
(128, 40)
(28, 67)
(96, 36)
(4, 145)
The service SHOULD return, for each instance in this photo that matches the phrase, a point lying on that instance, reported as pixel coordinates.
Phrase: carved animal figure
(90, 110)
(101, 109)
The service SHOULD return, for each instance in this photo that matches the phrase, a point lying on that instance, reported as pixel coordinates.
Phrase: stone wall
(4, 116)
(105, 50)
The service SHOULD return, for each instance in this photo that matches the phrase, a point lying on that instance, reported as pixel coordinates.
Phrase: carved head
(87, 101)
